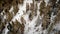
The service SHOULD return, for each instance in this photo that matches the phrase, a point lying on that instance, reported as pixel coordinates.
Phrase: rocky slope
(29, 16)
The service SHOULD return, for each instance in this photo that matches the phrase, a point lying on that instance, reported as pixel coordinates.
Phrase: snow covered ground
(30, 25)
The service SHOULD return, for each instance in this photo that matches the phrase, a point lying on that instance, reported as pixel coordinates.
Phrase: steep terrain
(29, 16)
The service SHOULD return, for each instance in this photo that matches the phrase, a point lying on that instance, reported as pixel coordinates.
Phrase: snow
(30, 25)
(46, 2)
(57, 26)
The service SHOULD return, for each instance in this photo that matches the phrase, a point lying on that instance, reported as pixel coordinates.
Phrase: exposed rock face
(29, 16)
